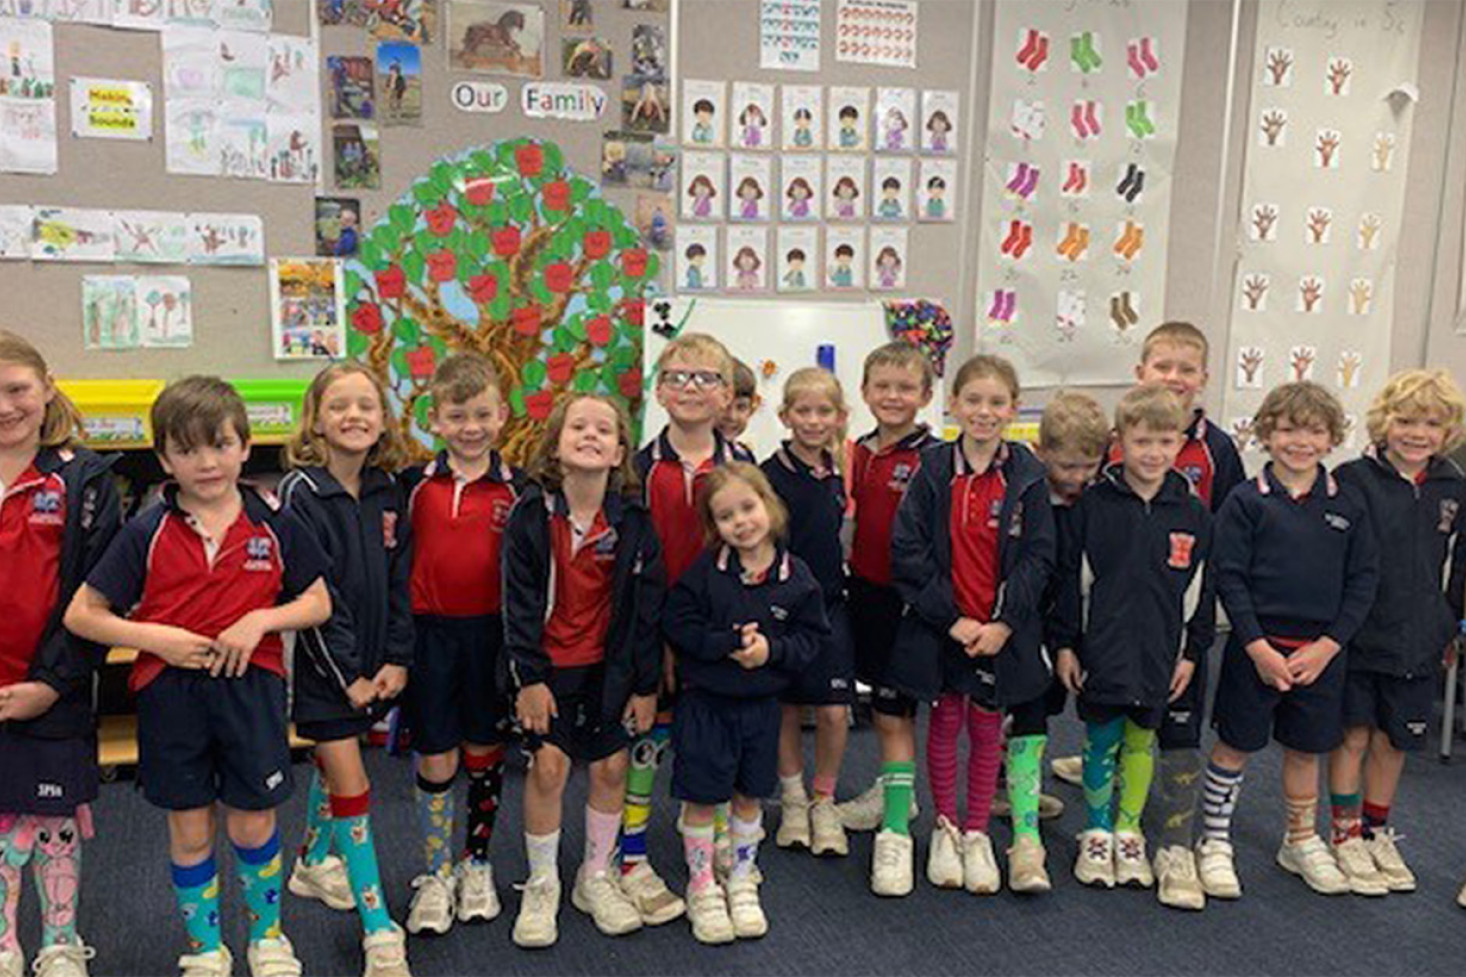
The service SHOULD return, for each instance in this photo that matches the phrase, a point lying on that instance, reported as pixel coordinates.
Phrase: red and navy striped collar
(961, 467)
(728, 562)
(259, 505)
(914, 441)
(795, 464)
(1267, 482)
(724, 450)
(442, 467)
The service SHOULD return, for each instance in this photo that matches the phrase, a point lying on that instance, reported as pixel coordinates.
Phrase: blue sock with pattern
(319, 831)
(197, 889)
(259, 875)
(354, 842)
(435, 821)
(1101, 746)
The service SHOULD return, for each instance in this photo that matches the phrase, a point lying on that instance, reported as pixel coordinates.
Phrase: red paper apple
(633, 262)
(597, 244)
(505, 241)
(420, 362)
(442, 266)
(479, 191)
(557, 195)
(367, 318)
(391, 283)
(598, 330)
(629, 383)
(483, 288)
(560, 367)
(558, 277)
(527, 320)
(634, 312)
(530, 159)
(441, 219)
(538, 405)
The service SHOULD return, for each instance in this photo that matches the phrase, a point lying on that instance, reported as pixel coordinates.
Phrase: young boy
(1175, 355)
(1297, 567)
(459, 504)
(207, 579)
(1417, 502)
(896, 385)
(743, 405)
(693, 387)
(1129, 646)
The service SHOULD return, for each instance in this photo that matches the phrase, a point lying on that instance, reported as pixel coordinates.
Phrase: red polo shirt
(672, 488)
(457, 530)
(878, 481)
(580, 597)
(32, 528)
(977, 503)
(1194, 460)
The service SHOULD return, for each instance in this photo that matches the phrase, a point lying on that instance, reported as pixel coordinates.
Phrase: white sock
(792, 785)
(746, 836)
(544, 855)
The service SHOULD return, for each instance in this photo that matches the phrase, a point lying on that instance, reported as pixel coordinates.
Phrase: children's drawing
(109, 312)
(150, 236)
(890, 184)
(888, 250)
(845, 187)
(803, 188)
(72, 234)
(165, 311)
(226, 239)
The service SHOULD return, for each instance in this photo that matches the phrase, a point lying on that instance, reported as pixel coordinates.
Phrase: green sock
(720, 821)
(318, 829)
(898, 784)
(1101, 744)
(1137, 768)
(259, 874)
(1090, 54)
(196, 888)
(1025, 759)
(354, 842)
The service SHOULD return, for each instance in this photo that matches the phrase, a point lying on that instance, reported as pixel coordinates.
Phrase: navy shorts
(51, 778)
(1181, 725)
(724, 746)
(203, 739)
(1146, 717)
(1308, 719)
(1032, 718)
(581, 730)
(829, 680)
(875, 616)
(342, 728)
(1399, 706)
(454, 697)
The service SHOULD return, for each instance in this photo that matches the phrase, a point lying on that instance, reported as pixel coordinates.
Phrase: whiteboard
(786, 335)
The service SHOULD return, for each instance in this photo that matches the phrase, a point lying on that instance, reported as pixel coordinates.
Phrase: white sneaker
(827, 833)
(793, 822)
(707, 910)
(386, 954)
(70, 960)
(749, 921)
(599, 897)
(272, 958)
(1461, 897)
(650, 895)
(1069, 769)
(1354, 860)
(1027, 872)
(474, 894)
(1095, 864)
(867, 811)
(979, 865)
(1387, 859)
(326, 882)
(892, 868)
(432, 905)
(1215, 865)
(12, 964)
(1312, 862)
(215, 963)
(1132, 867)
(535, 926)
(1178, 884)
(944, 858)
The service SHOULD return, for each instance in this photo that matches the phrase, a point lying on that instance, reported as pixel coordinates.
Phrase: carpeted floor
(823, 918)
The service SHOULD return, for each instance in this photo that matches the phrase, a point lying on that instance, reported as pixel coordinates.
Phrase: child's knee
(549, 769)
(832, 718)
(610, 773)
(1228, 757)
(1357, 739)
(250, 829)
(192, 832)
(439, 768)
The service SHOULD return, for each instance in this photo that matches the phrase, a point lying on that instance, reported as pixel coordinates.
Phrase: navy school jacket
(368, 541)
(816, 504)
(1134, 587)
(633, 661)
(711, 601)
(1304, 568)
(1418, 528)
(62, 660)
(921, 564)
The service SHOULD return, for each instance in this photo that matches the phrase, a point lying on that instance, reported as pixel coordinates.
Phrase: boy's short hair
(745, 384)
(1179, 334)
(190, 412)
(698, 347)
(1417, 393)
(986, 365)
(752, 476)
(900, 353)
(462, 377)
(845, 251)
(1074, 421)
(1152, 405)
(1302, 402)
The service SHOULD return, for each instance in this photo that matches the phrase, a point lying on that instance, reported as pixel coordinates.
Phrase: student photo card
(752, 111)
(697, 258)
(801, 179)
(845, 187)
(704, 110)
(703, 185)
(799, 259)
(750, 179)
(801, 118)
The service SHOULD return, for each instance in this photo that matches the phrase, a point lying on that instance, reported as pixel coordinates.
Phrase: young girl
(746, 262)
(888, 267)
(938, 126)
(583, 588)
(58, 512)
(845, 193)
(895, 126)
(702, 192)
(753, 121)
(348, 671)
(749, 195)
(971, 554)
(806, 474)
(799, 192)
(746, 620)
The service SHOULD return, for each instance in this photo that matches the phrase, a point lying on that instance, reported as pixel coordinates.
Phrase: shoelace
(887, 856)
(1131, 848)
(76, 956)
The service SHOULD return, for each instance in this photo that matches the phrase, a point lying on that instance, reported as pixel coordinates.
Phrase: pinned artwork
(109, 312)
(703, 112)
(846, 192)
(844, 258)
(72, 234)
(703, 186)
(1250, 360)
(16, 225)
(586, 57)
(753, 105)
(307, 308)
(888, 251)
(150, 236)
(577, 16)
(890, 187)
(789, 35)
(750, 179)
(649, 50)
(415, 21)
(895, 119)
(697, 258)
(165, 311)
(293, 149)
(1301, 360)
(748, 259)
(358, 156)
(399, 79)
(939, 122)
(496, 38)
(338, 226)
(27, 98)
(226, 239)
(798, 259)
(654, 220)
(353, 87)
(849, 119)
(936, 190)
(878, 32)
(645, 103)
(802, 194)
(802, 118)
(104, 108)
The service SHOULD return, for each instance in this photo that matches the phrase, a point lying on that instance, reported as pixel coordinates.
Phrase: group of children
(608, 605)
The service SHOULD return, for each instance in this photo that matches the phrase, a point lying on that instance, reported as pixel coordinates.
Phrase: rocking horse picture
(496, 38)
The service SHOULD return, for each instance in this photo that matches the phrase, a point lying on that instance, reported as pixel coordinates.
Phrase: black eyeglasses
(701, 379)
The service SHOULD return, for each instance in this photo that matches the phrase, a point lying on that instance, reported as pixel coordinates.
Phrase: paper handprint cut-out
(1242, 433)
(1369, 228)
(1279, 63)
(1361, 293)
(1338, 77)
(1319, 219)
(1310, 292)
(1301, 360)
(1264, 219)
(1349, 364)
(1254, 290)
(1384, 151)
(1249, 363)
(1274, 121)
(1327, 148)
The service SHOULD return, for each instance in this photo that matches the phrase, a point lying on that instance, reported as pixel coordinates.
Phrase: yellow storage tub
(115, 412)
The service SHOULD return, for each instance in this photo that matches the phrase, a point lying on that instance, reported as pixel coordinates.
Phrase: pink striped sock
(941, 753)
(985, 755)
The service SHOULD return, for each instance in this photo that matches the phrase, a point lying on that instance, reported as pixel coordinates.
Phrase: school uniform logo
(995, 510)
(1449, 508)
(1337, 522)
(499, 514)
(778, 612)
(257, 550)
(1181, 546)
(389, 529)
(1194, 474)
(901, 474)
(46, 506)
(605, 547)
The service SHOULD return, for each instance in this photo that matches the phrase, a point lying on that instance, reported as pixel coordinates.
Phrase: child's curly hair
(1418, 393)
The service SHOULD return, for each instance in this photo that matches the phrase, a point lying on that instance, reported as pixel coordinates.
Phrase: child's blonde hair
(1417, 393)
(900, 354)
(462, 377)
(307, 447)
(1299, 403)
(752, 476)
(985, 366)
(698, 347)
(61, 424)
(1176, 333)
(1073, 421)
(820, 382)
(544, 464)
(1154, 406)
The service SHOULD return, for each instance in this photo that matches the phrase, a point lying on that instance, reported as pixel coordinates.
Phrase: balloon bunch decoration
(922, 323)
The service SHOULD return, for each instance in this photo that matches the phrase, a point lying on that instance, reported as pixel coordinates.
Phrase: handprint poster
(1081, 144)
(1323, 193)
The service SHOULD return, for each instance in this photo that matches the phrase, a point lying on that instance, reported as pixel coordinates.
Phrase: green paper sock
(1025, 761)
(1137, 769)
(898, 782)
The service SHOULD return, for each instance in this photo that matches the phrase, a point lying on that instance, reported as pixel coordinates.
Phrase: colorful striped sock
(984, 759)
(941, 753)
(1302, 818)
(641, 779)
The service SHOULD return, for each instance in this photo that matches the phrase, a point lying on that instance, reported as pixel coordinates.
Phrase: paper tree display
(502, 251)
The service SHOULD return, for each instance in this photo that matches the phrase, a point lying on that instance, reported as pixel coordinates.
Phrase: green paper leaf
(351, 281)
(399, 362)
(420, 411)
(540, 292)
(601, 275)
(413, 266)
(564, 341)
(516, 401)
(356, 344)
(426, 194)
(498, 213)
(402, 217)
(371, 255)
(521, 209)
(478, 244)
(623, 358)
(406, 329)
(534, 374)
(499, 307)
(653, 264)
(585, 381)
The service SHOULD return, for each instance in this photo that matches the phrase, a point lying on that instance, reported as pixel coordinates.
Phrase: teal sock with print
(196, 887)
(259, 876)
(319, 831)
(1101, 747)
(354, 843)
